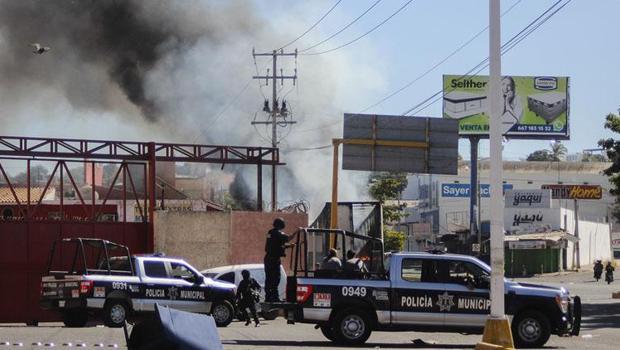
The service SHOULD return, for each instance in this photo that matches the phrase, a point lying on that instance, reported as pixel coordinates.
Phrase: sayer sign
(575, 191)
(462, 190)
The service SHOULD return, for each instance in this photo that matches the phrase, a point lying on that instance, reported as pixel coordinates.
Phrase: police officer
(247, 297)
(274, 250)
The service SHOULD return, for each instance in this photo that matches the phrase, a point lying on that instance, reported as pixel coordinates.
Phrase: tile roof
(6, 196)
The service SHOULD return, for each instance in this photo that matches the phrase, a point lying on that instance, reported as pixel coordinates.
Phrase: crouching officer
(274, 250)
(247, 297)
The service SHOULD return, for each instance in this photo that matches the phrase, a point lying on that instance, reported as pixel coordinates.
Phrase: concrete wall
(594, 238)
(210, 239)
(201, 238)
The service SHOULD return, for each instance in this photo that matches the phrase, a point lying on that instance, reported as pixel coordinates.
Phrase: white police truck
(96, 278)
(431, 292)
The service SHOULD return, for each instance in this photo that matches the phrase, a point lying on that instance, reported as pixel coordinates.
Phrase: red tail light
(303, 293)
(86, 287)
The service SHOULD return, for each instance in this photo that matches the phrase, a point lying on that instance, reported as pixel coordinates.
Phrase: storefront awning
(553, 236)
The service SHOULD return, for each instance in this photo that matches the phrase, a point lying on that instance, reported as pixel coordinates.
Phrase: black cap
(279, 223)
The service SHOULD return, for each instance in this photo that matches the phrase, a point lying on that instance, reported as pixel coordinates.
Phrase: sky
(199, 66)
(577, 42)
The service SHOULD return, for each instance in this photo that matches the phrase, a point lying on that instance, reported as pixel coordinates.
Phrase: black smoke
(93, 40)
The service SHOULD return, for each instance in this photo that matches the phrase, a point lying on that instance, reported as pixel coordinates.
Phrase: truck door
(467, 285)
(155, 285)
(187, 292)
(416, 288)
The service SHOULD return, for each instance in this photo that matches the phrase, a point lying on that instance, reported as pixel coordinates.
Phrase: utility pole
(277, 114)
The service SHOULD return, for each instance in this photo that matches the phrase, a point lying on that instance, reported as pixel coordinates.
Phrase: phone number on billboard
(543, 128)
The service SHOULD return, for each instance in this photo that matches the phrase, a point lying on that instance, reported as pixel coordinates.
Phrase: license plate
(61, 303)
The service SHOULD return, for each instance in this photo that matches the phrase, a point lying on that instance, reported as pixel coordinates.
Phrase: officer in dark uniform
(274, 250)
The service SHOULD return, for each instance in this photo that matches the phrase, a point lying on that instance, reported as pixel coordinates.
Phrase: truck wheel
(222, 312)
(115, 313)
(327, 331)
(75, 318)
(351, 327)
(530, 329)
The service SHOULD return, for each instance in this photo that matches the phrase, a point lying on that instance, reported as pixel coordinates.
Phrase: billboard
(379, 143)
(575, 191)
(462, 190)
(528, 199)
(533, 107)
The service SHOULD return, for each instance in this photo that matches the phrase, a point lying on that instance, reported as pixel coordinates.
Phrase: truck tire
(222, 312)
(115, 313)
(530, 329)
(327, 331)
(75, 318)
(351, 327)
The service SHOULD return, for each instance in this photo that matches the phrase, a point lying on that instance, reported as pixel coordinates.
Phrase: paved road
(600, 330)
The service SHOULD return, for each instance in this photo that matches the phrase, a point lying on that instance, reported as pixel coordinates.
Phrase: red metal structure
(26, 235)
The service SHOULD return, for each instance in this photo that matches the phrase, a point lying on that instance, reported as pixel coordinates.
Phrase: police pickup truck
(431, 292)
(94, 277)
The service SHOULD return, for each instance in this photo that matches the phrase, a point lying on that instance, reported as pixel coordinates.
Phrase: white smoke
(191, 59)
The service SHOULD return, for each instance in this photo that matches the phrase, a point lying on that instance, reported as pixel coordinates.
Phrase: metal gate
(29, 223)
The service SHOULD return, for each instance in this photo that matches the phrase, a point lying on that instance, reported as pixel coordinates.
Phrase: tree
(38, 176)
(558, 151)
(589, 157)
(541, 155)
(612, 148)
(388, 186)
(393, 240)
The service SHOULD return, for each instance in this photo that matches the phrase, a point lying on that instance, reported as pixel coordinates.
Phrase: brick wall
(210, 239)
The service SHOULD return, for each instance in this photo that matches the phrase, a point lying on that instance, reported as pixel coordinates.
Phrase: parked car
(232, 274)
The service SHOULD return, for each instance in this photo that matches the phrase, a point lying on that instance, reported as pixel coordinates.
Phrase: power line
(312, 26)
(482, 65)
(435, 66)
(515, 40)
(343, 28)
(363, 35)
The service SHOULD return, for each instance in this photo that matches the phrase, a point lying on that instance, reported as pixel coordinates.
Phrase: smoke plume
(168, 71)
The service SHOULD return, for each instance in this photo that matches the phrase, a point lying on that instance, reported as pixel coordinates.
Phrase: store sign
(528, 199)
(574, 191)
(527, 245)
(532, 107)
(531, 220)
(463, 190)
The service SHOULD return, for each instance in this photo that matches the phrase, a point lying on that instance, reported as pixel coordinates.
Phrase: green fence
(527, 262)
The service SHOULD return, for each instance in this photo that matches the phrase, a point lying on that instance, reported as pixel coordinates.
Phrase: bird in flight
(38, 49)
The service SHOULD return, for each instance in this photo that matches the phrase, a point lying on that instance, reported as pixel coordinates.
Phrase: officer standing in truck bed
(274, 249)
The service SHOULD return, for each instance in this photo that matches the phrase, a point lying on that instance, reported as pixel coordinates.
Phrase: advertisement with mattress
(535, 107)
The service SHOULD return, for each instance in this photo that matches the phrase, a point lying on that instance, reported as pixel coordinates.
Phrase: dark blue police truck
(96, 278)
(413, 291)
